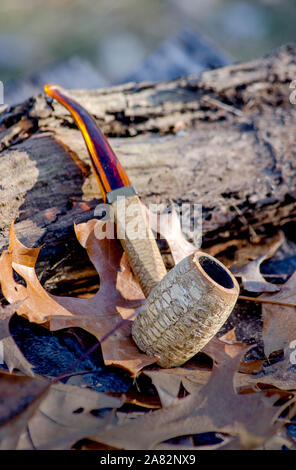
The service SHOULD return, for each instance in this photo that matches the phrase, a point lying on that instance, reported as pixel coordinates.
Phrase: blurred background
(93, 43)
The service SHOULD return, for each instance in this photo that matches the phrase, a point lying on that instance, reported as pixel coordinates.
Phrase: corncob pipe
(143, 253)
(185, 310)
(186, 307)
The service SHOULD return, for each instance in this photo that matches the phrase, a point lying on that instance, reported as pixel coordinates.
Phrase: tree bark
(224, 139)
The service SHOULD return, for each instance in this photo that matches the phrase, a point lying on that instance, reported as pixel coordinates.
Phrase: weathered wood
(224, 139)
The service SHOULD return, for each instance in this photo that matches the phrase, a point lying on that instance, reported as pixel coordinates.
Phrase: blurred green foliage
(35, 33)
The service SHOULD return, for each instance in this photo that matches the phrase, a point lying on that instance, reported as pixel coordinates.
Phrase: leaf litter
(117, 299)
(217, 391)
(252, 279)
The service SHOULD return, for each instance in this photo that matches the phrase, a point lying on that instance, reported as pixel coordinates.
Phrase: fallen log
(224, 139)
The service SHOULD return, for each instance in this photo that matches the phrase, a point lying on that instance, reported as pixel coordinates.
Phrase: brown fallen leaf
(117, 299)
(20, 398)
(66, 415)
(221, 349)
(168, 382)
(279, 322)
(276, 442)
(168, 225)
(252, 279)
(141, 399)
(279, 441)
(280, 375)
(239, 252)
(216, 407)
(10, 352)
(193, 375)
(251, 367)
(36, 304)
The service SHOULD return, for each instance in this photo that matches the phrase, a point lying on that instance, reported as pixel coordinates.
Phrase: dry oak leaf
(168, 225)
(66, 415)
(166, 384)
(236, 253)
(280, 375)
(12, 355)
(168, 381)
(102, 315)
(214, 407)
(142, 399)
(221, 349)
(252, 279)
(279, 322)
(20, 398)
(194, 375)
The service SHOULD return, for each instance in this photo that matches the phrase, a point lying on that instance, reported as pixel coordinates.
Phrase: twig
(266, 301)
(92, 349)
(219, 104)
(253, 235)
